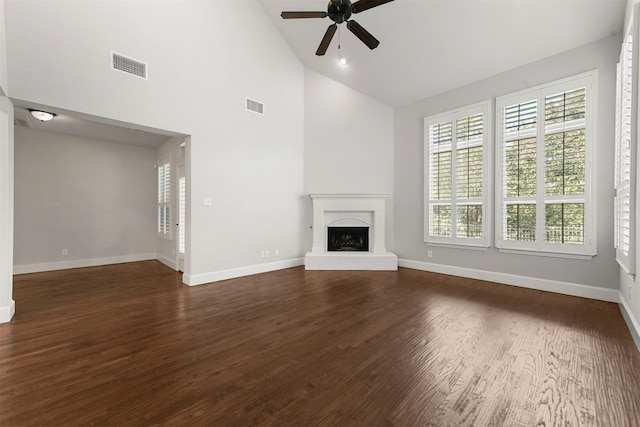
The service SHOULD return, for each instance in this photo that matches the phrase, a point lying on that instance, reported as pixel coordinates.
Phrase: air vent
(255, 106)
(128, 65)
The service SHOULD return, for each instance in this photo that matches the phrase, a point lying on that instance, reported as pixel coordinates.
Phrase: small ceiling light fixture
(341, 59)
(43, 116)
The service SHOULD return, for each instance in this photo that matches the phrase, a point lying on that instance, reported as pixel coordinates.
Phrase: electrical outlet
(266, 253)
(429, 254)
(65, 252)
(261, 254)
(277, 252)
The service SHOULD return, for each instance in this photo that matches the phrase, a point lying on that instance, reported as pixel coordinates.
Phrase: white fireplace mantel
(345, 210)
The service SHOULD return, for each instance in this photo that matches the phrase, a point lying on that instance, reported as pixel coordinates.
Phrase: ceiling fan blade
(324, 44)
(298, 15)
(363, 34)
(362, 5)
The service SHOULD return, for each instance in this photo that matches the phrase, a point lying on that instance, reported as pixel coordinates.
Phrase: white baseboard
(574, 289)
(171, 263)
(7, 312)
(216, 276)
(632, 322)
(79, 263)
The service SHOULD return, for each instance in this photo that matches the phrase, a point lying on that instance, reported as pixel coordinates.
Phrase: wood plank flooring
(129, 345)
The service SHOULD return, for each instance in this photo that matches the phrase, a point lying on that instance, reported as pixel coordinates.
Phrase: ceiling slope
(432, 46)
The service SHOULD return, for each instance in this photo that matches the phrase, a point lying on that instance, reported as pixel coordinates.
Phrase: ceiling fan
(340, 11)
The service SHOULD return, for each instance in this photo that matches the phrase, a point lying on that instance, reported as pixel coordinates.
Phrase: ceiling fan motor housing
(339, 10)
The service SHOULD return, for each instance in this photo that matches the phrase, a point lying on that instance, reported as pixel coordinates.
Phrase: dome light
(43, 116)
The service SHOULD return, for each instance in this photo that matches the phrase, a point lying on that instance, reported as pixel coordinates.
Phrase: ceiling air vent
(128, 65)
(255, 106)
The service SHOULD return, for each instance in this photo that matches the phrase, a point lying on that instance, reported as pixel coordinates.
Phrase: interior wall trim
(216, 276)
(171, 263)
(79, 263)
(7, 312)
(630, 319)
(566, 288)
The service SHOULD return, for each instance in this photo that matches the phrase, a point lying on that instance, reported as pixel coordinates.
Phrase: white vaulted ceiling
(432, 46)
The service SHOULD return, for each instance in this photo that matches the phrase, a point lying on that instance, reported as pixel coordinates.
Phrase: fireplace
(349, 233)
(348, 239)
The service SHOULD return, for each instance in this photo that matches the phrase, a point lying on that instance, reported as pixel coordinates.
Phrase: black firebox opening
(348, 239)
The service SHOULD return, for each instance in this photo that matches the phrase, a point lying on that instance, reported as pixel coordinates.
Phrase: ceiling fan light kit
(340, 11)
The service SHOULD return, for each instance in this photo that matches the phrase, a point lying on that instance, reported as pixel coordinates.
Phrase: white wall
(348, 144)
(602, 270)
(3, 52)
(7, 305)
(204, 58)
(96, 199)
(629, 12)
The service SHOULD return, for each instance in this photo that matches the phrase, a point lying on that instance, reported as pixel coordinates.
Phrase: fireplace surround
(355, 212)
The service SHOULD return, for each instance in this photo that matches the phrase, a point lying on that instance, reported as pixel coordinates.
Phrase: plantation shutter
(469, 176)
(164, 198)
(182, 214)
(456, 159)
(625, 160)
(520, 171)
(564, 166)
(440, 165)
(544, 200)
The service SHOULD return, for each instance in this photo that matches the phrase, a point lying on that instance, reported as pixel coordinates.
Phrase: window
(457, 157)
(625, 160)
(544, 184)
(164, 198)
(182, 212)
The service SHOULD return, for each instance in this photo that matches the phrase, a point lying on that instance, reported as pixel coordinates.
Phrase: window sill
(458, 246)
(624, 266)
(586, 257)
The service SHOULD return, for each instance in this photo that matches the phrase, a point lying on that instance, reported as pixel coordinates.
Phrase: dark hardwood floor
(128, 345)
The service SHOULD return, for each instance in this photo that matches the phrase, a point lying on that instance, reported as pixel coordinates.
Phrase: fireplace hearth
(347, 239)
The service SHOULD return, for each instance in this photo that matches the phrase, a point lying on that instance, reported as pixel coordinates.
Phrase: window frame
(164, 190)
(539, 93)
(482, 243)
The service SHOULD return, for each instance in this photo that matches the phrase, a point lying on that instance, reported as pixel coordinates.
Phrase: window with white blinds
(457, 156)
(164, 198)
(182, 212)
(625, 160)
(544, 144)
